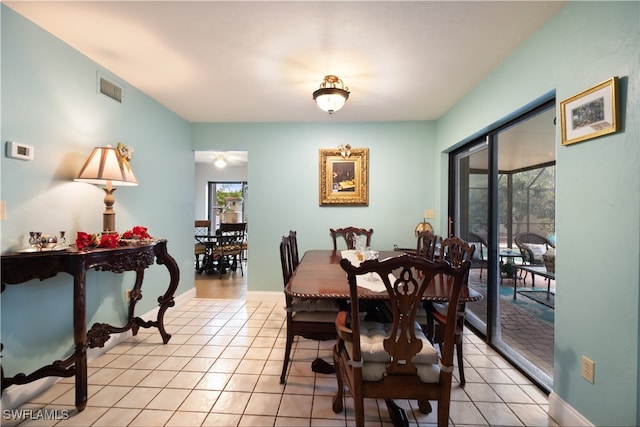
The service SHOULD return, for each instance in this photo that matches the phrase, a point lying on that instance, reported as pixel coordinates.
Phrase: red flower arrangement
(98, 240)
(137, 233)
(110, 240)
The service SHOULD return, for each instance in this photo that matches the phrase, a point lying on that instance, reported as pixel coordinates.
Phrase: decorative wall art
(591, 113)
(344, 176)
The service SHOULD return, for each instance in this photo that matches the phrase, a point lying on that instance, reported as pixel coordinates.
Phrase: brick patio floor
(523, 331)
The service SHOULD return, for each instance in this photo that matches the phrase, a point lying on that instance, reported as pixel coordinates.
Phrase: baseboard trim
(564, 414)
(16, 395)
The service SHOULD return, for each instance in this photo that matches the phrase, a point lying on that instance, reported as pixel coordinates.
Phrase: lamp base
(109, 222)
(109, 216)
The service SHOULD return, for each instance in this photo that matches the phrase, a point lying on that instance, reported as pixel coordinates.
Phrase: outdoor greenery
(533, 202)
(225, 190)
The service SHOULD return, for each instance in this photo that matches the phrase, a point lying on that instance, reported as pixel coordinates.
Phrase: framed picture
(591, 113)
(344, 177)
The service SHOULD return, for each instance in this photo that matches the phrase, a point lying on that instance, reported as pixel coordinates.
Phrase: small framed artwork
(344, 177)
(591, 113)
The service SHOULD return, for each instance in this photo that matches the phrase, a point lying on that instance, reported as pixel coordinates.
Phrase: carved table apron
(20, 268)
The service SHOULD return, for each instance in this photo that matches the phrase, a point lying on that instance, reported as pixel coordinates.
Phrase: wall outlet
(127, 295)
(588, 369)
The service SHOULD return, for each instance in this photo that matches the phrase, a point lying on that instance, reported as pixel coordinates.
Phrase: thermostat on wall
(20, 151)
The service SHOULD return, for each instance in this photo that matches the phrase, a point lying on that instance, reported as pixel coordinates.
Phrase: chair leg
(338, 403)
(444, 405)
(287, 353)
(460, 360)
(358, 408)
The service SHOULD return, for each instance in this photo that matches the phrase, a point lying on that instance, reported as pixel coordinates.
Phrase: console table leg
(80, 337)
(166, 300)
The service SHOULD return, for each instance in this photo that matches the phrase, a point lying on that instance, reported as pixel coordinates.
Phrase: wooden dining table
(319, 276)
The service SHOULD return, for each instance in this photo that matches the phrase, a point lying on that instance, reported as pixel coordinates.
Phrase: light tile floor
(222, 367)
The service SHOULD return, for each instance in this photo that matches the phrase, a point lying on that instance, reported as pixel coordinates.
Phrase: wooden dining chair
(396, 360)
(308, 318)
(295, 257)
(457, 252)
(349, 234)
(426, 246)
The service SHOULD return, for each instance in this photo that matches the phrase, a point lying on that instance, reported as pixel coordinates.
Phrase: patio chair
(395, 360)
(480, 254)
(532, 247)
(349, 234)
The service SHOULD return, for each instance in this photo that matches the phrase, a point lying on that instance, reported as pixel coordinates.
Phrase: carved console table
(20, 268)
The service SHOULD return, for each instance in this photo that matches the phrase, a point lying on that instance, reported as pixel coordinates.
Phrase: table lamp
(110, 167)
(424, 225)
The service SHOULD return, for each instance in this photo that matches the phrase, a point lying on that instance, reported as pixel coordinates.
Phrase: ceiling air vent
(110, 89)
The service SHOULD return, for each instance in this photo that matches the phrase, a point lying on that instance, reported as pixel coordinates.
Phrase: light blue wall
(49, 101)
(598, 197)
(283, 184)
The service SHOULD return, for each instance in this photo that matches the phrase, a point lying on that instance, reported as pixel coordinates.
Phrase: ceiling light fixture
(220, 162)
(330, 97)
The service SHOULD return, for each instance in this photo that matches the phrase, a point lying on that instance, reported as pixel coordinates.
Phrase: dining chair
(426, 246)
(457, 252)
(308, 318)
(228, 250)
(202, 228)
(349, 234)
(396, 360)
(293, 239)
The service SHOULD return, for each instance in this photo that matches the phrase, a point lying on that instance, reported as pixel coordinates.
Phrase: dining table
(320, 276)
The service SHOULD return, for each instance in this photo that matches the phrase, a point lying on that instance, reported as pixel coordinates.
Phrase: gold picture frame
(344, 177)
(591, 113)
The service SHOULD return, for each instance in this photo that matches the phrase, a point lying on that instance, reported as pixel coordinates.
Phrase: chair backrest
(233, 227)
(456, 251)
(231, 237)
(202, 227)
(293, 242)
(481, 246)
(427, 242)
(406, 278)
(532, 246)
(285, 259)
(349, 234)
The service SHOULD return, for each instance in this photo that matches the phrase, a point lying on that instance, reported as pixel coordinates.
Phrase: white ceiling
(240, 61)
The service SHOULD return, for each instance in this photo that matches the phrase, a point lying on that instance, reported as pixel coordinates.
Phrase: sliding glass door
(503, 184)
